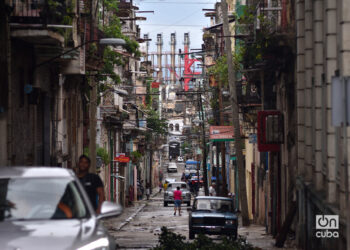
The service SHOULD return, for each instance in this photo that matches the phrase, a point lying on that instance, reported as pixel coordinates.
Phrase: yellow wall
(249, 159)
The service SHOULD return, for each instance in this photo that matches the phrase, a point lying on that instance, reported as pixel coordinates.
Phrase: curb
(130, 218)
(127, 221)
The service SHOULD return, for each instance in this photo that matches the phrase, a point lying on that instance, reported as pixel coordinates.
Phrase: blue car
(213, 215)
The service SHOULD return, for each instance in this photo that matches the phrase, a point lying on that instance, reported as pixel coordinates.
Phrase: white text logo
(327, 226)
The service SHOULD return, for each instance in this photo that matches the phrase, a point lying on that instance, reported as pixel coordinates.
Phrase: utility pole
(235, 114)
(222, 146)
(5, 74)
(205, 170)
(93, 102)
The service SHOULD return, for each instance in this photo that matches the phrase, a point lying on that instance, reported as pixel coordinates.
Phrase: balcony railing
(38, 11)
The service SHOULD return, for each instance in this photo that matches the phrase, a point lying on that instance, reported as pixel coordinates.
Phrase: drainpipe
(111, 166)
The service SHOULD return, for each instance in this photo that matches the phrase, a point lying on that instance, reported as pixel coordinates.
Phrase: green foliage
(136, 155)
(86, 151)
(255, 52)
(219, 70)
(103, 153)
(158, 126)
(172, 241)
(186, 147)
(148, 100)
(111, 58)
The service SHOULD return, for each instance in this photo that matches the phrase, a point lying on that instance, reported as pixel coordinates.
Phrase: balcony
(38, 12)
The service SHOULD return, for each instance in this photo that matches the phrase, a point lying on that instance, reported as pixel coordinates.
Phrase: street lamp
(112, 41)
(103, 41)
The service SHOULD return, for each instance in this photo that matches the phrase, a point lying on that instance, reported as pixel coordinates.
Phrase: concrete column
(308, 88)
(317, 91)
(331, 66)
(300, 22)
(173, 51)
(344, 37)
(160, 68)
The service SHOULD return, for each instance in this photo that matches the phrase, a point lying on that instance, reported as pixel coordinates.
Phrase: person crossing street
(177, 200)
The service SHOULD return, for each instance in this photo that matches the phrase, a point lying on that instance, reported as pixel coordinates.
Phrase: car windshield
(40, 199)
(214, 205)
(173, 186)
(191, 167)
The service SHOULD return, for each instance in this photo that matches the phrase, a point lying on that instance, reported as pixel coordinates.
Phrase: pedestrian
(165, 185)
(183, 177)
(148, 190)
(177, 200)
(212, 191)
(160, 187)
(139, 193)
(142, 189)
(92, 183)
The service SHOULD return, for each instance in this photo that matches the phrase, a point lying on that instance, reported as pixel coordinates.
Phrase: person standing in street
(165, 186)
(148, 190)
(212, 191)
(92, 183)
(177, 200)
(160, 187)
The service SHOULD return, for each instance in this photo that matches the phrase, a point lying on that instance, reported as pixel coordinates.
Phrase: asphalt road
(142, 232)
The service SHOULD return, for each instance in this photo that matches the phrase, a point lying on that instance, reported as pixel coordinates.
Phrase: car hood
(49, 234)
(171, 192)
(200, 214)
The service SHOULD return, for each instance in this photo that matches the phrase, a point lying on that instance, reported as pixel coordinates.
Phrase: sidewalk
(117, 223)
(256, 235)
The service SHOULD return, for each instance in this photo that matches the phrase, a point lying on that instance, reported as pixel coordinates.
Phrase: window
(214, 205)
(171, 127)
(40, 199)
(177, 127)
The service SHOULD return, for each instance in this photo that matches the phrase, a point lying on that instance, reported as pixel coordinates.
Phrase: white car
(172, 168)
(180, 159)
(48, 208)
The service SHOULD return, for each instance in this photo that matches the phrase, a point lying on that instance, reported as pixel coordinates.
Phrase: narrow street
(139, 226)
(142, 231)
(246, 101)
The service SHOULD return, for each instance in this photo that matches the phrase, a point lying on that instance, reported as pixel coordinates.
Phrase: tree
(157, 125)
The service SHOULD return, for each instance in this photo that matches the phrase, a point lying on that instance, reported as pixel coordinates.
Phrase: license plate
(215, 229)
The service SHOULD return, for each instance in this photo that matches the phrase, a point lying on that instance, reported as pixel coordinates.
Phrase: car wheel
(189, 204)
(233, 236)
(165, 204)
(191, 235)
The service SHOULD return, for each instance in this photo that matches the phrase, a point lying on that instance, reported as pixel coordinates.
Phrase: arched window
(171, 127)
(177, 127)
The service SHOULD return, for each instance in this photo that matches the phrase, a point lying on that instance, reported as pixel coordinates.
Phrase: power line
(175, 25)
(168, 2)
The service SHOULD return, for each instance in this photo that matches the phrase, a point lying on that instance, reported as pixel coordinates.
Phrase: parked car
(169, 193)
(180, 159)
(170, 180)
(48, 208)
(194, 179)
(213, 215)
(172, 168)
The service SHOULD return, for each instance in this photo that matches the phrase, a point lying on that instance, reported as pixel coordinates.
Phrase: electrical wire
(171, 2)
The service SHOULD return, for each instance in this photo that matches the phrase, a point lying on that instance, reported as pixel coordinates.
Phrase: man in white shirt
(212, 191)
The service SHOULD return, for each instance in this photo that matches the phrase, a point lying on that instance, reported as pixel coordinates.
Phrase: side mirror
(109, 209)
(189, 209)
(237, 211)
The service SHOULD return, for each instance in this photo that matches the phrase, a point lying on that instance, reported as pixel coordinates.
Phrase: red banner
(122, 158)
(155, 85)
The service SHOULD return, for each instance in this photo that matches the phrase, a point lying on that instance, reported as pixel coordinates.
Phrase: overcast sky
(178, 16)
